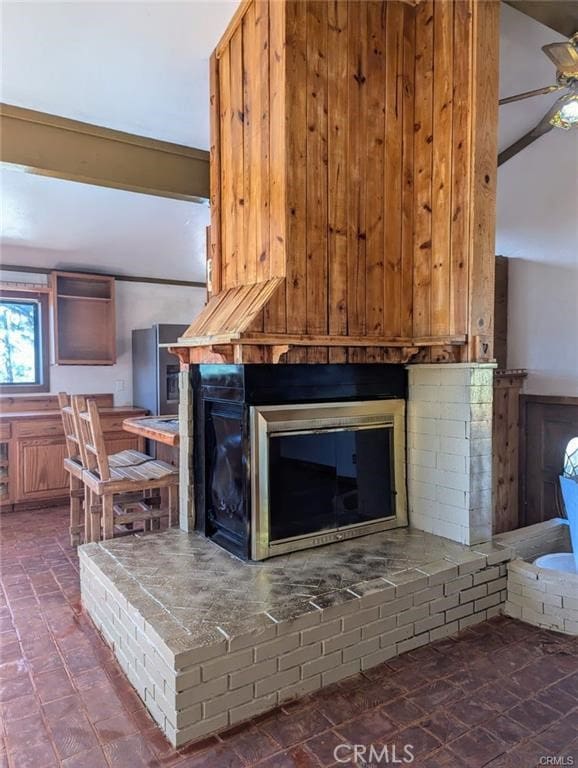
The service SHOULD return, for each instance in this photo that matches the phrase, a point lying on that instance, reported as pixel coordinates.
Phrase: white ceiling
(143, 67)
(64, 225)
(140, 67)
(523, 67)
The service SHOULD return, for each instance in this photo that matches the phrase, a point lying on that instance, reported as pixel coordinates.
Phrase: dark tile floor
(502, 694)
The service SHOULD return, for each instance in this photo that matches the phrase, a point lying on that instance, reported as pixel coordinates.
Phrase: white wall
(138, 305)
(537, 218)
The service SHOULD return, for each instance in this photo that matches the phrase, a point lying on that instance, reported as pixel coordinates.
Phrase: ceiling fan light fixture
(567, 116)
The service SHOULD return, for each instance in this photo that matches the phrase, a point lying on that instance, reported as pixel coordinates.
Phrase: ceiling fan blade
(564, 56)
(529, 94)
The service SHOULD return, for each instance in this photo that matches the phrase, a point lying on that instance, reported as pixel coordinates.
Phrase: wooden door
(40, 469)
(548, 424)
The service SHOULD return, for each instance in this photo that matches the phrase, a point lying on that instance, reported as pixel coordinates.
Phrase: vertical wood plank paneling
(239, 265)
(227, 193)
(482, 196)
(337, 107)
(407, 192)
(317, 311)
(393, 170)
(262, 39)
(276, 310)
(296, 106)
(460, 165)
(357, 156)
(442, 167)
(423, 168)
(251, 157)
(278, 202)
(375, 164)
(215, 177)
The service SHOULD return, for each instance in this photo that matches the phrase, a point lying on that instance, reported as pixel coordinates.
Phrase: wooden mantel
(353, 173)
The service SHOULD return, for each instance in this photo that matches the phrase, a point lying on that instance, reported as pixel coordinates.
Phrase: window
(23, 342)
(571, 459)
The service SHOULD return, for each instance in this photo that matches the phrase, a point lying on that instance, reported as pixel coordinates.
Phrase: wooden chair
(74, 466)
(108, 483)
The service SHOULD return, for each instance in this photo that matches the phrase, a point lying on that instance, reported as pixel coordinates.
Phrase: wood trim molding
(49, 145)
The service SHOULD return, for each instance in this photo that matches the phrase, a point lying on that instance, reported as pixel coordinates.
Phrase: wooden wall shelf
(83, 310)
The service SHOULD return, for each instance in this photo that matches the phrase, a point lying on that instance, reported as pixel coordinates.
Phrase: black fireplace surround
(223, 396)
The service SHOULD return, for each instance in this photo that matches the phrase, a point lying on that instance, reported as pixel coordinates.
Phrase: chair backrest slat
(82, 430)
(97, 436)
(72, 447)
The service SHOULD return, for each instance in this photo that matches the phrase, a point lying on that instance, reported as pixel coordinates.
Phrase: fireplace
(325, 472)
(294, 456)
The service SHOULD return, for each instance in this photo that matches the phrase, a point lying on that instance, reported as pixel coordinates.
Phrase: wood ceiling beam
(49, 145)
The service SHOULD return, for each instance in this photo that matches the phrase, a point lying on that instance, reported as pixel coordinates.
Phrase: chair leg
(75, 510)
(95, 517)
(173, 504)
(107, 517)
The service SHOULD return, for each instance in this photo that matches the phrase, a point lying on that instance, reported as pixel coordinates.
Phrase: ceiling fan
(564, 112)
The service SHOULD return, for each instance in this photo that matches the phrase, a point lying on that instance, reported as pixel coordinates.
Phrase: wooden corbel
(408, 353)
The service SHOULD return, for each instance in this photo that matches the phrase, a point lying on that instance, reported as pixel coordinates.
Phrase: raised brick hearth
(209, 641)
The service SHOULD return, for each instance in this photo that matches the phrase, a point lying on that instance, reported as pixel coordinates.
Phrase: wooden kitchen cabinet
(83, 313)
(32, 447)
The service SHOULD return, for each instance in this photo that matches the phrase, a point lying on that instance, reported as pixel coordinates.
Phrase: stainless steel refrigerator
(155, 372)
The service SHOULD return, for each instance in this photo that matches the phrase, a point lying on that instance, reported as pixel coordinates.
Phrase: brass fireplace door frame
(306, 418)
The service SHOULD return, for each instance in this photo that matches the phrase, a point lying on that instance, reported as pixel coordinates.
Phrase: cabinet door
(40, 469)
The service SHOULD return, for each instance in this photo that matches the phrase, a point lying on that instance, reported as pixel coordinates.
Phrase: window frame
(43, 343)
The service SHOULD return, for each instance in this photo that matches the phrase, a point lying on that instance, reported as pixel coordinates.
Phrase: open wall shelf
(84, 319)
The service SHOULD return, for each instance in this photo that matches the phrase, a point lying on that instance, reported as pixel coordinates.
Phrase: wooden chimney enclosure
(353, 173)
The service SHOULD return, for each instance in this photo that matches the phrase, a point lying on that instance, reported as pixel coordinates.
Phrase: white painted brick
(202, 728)
(341, 640)
(227, 663)
(320, 633)
(488, 574)
(475, 593)
(373, 659)
(420, 458)
(360, 649)
(254, 672)
(452, 462)
(407, 582)
(444, 631)
(445, 603)
(300, 689)
(474, 618)
(431, 622)
(486, 602)
(360, 618)
(413, 642)
(413, 614)
(396, 635)
(341, 672)
(311, 619)
(438, 573)
(510, 609)
(460, 612)
(379, 627)
(393, 607)
(456, 585)
(323, 664)
(283, 644)
(201, 692)
(275, 682)
(300, 656)
(188, 716)
(428, 595)
(229, 700)
(496, 610)
(497, 585)
(252, 708)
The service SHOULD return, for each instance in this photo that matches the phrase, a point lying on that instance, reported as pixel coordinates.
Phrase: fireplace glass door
(329, 479)
(325, 472)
